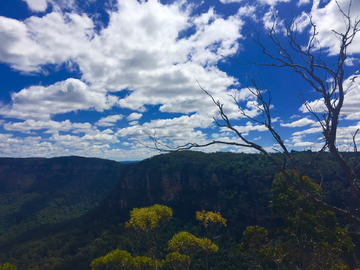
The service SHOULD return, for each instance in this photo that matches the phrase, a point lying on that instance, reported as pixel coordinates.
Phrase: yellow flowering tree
(7, 266)
(211, 221)
(145, 225)
(178, 261)
(148, 218)
(189, 245)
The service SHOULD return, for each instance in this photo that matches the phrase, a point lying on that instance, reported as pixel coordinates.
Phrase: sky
(95, 77)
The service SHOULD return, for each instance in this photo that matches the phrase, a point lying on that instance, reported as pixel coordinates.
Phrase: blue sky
(92, 78)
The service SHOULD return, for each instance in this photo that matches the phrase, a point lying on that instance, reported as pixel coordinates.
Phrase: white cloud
(37, 5)
(244, 130)
(65, 145)
(300, 123)
(175, 131)
(230, 1)
(52, 127)
(308, 131)
(132, 123)
(272, 2)
(39, 102)
(345, 134)
(350, 109)
(350, 61)
(28, 125)
(52, 39)
(276, 119)
(144, 51)
(248, 11)
(302, 2)
(301, 22)
(329, 15)
(139, 50)
(271, 20)
(109, 120)
(134, 116)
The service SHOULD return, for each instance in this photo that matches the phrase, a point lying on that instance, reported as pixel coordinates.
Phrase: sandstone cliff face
(192, 181)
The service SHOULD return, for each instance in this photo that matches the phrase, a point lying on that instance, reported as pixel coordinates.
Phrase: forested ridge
(37, 191)
(235, 185)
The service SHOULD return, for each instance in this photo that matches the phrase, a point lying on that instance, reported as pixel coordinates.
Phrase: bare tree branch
(312, 69)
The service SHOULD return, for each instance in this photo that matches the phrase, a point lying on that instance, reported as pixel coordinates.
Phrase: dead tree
(333, 96)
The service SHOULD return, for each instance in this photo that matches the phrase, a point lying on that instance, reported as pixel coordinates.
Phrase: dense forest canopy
(238, 186)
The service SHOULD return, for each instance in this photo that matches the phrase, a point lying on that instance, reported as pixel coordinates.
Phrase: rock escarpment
(192, 181)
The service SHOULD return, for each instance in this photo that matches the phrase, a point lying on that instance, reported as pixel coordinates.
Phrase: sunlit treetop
(147, 218)
(287, 199)
(209, 217)
(183, 241)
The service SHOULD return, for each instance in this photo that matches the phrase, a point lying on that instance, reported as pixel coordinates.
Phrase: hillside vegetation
(235, 185)
(36, 191)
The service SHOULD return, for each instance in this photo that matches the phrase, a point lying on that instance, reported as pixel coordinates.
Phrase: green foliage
(36, 191)
(211, 221)
(310, 238)
(254, 237)
(208, 218)
(178, 261)
(185, 244)
(176, 256)
(120, 258)
(143, 262)
(188, 243)
(147, 218)
(236, 184)
(7, 266)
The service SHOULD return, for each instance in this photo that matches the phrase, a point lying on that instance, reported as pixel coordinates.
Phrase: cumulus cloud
(145, 57)
(38, 125)
(308, 131)
(39, 102)
(271, 20)
(49, 126)
(172, 131)
(52, 39)
(302, 2)
(272, 2)
(330, 15)
(230, 1)
(351, 61)
(134, 116)
(345, 134)
(109, 120)
(37, 5)
(250, 126)
(300, 123)
(350, 109)
(141, 49)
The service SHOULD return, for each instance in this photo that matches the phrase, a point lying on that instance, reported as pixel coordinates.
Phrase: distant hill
(38, 191)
